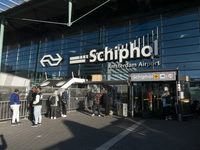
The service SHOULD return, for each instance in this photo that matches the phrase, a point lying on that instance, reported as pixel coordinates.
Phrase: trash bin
(122, 109)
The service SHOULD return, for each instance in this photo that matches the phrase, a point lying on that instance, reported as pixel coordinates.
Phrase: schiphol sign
(154, 76)
(128, 51)
(119, 53)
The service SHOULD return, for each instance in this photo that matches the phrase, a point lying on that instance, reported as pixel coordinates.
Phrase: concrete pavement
(80, 131)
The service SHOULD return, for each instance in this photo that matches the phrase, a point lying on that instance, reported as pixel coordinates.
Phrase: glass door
(147, 97)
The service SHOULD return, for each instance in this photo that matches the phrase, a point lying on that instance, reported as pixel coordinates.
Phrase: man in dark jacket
(64, 103)
(37, 104)
(106, 99)
(30, 99)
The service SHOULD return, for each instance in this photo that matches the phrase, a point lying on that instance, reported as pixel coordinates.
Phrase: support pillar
(1, 38)
(179, 96)
(69, 13)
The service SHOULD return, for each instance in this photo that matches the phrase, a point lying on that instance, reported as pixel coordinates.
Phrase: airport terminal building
(115, 38)
(104, 40)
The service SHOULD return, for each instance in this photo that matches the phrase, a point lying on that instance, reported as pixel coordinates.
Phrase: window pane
(180, 19)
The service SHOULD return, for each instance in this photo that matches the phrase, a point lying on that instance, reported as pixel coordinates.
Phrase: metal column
(132, 100)
(179, 97)
(37, 61)
(69, 13)
(1, 38)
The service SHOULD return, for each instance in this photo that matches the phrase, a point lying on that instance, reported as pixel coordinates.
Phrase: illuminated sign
(118, 53)
(97, 77)
(154, 76)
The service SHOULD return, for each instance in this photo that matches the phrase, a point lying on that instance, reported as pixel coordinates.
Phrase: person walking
(30, 99)
(166, 105)
(37, 103)
(54, 104)
(64, 103)
(96, 103)
(15, 104)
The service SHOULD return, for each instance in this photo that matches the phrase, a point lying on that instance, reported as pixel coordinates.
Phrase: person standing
(107, 104)
(30, 99)
(64, 103)
(54, 104)
(97, 98)
(90, 96)
(15, 104)
(37, 103)
(166, 106)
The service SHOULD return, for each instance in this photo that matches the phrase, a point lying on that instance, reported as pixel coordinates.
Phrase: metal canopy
(9, 4)
(38, 18)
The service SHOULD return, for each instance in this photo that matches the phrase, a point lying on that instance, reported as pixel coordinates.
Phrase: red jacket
(97, 98)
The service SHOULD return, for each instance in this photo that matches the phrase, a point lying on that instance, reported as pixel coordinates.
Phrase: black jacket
(31, 97)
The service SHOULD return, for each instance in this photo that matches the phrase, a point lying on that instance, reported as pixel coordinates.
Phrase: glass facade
(178, 40)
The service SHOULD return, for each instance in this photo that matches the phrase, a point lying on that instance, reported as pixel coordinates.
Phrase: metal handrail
(6, 112)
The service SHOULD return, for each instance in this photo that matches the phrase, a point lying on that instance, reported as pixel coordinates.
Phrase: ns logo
(51, 60)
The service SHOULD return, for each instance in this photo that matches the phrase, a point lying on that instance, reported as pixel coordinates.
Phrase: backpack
(169, 99)
(52, 100)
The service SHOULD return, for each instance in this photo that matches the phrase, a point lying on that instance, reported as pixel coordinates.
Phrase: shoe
(106, 116)
(19, 123)
(64, 115)
(13, 124)
(39, 124)
(35, 125)
(99, 115)
(54, 118)
(51, 117)
(92, 115)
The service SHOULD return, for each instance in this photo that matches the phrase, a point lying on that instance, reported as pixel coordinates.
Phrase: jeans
(98, 108)
(15, 115)
(167, 111)
(91, 103)
(53, 111)
(37, 114)
(31, 115)
(64, 108)
(107, 110)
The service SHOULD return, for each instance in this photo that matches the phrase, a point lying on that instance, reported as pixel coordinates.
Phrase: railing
(6, 112)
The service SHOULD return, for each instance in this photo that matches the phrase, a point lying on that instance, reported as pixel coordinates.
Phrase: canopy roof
(26, 20)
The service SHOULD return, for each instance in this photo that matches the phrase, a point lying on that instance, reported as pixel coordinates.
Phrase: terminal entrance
(147, 97)
(146, 89)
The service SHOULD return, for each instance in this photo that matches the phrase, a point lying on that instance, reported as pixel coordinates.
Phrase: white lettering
(116, 52)
(93, 55)
(144, 49)
(133, 50)
(123, 54)
(99, 56)
(108, 52)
